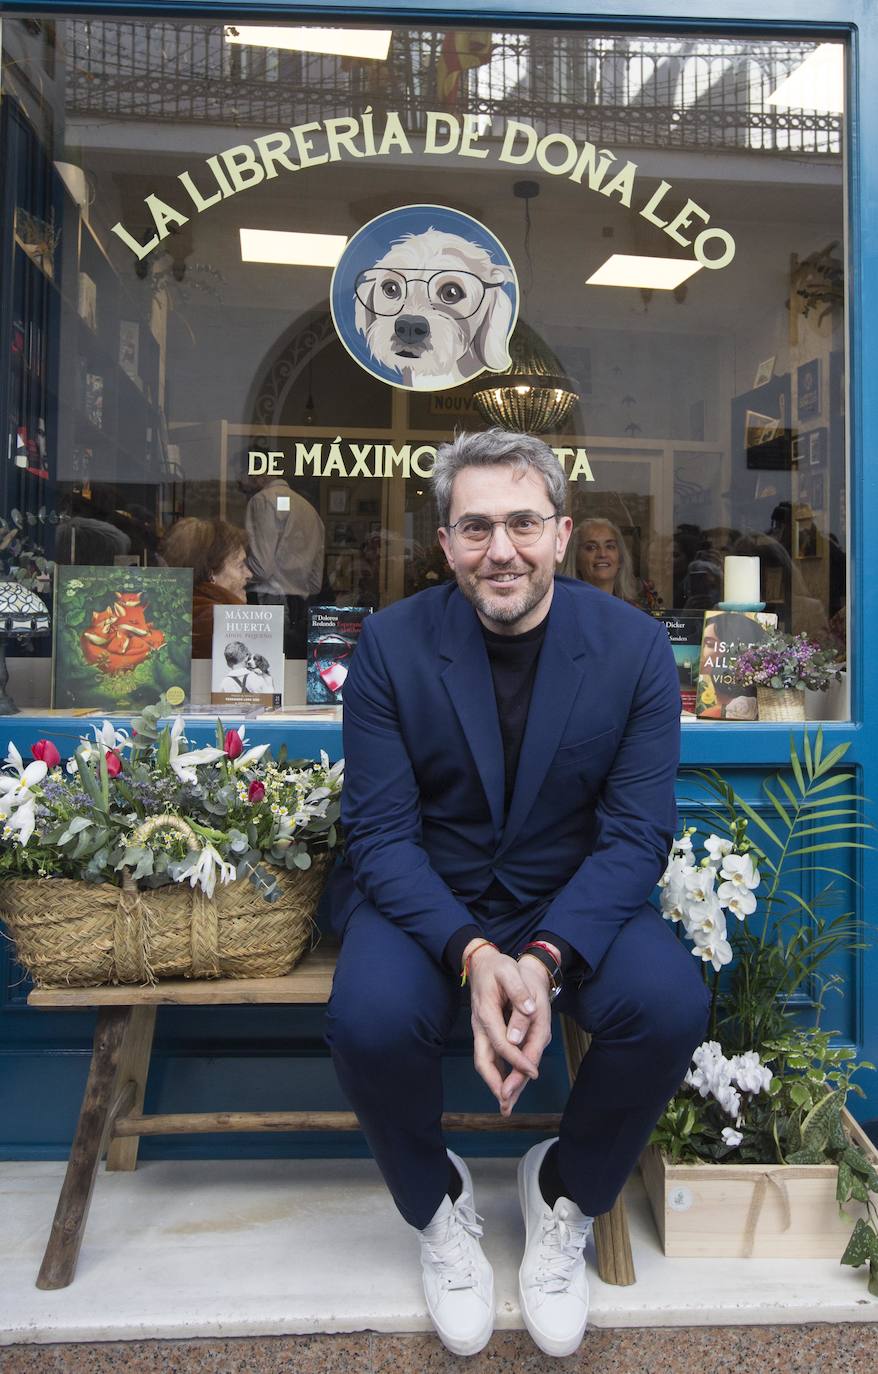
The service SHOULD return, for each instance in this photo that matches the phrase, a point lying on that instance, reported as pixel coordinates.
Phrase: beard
(510, 608)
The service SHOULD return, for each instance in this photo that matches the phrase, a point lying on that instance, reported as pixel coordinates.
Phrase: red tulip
(45, 751)
(114, 763)
(256, 791)
(233, 745)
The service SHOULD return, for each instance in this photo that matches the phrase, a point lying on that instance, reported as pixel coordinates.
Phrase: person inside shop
(217, 554)
(287, 539)
(598, 554)
(511, 743)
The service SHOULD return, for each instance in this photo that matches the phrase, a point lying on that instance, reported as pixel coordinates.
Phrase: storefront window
(256, 274)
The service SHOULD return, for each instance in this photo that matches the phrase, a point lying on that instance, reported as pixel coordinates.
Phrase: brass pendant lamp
(533, 395)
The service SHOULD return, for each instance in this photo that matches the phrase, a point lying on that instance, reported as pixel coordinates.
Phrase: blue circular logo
(425, 298)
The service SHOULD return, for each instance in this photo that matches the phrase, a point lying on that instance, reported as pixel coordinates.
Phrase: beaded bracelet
(465, 974)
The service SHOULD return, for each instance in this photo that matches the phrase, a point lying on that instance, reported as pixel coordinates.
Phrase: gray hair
(491, 446)
(625, 585)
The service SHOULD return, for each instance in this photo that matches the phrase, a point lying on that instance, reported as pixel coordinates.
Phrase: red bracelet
(540, 944)
(465, 975)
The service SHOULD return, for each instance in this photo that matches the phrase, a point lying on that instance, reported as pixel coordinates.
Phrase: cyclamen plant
(762, 1088)
(147, 803)
(782, 660)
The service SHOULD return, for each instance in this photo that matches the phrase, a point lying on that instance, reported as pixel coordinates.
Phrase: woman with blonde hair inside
(598, 554)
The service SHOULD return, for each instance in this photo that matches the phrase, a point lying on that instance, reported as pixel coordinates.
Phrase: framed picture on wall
(805, 545)
(808, 390)
(817, 447)
(761, 436)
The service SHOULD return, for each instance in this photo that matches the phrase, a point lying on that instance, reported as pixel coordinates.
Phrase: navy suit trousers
(393, 1007)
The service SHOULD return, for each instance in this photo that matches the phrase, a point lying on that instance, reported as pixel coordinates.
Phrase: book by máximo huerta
(248, 656)
(121, 636)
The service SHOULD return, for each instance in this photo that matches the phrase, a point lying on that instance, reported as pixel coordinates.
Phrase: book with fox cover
(122, 636)
(725, 635)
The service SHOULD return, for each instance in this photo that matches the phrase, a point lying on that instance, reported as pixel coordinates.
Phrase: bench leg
(611, 1237)
(62, 1251)
(133, 1070)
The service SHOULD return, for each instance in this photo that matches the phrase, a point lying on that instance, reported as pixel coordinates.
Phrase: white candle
(741, 580)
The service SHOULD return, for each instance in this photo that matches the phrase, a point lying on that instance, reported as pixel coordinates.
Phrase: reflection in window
(155, 376)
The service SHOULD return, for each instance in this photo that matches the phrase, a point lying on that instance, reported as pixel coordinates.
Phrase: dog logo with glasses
(425, 298)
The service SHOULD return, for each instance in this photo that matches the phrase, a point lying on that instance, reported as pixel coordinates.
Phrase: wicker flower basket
(77, 934)
(780, 703)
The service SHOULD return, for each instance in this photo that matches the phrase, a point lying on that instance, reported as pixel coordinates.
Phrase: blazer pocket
(585, 750)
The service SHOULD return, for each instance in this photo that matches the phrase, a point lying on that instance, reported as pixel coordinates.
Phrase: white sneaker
(552, 1282)
(458, 1280)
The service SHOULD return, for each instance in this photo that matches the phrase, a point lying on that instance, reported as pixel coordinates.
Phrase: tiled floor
(270, 1248)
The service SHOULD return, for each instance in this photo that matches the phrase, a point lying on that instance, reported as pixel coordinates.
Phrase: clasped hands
(511, 1020)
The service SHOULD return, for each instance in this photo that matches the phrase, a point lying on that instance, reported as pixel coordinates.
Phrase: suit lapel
(559, 679)
(468, 681)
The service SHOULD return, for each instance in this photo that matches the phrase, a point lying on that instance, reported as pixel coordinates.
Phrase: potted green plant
(782, 667)
(756, 1154)
(143, 858)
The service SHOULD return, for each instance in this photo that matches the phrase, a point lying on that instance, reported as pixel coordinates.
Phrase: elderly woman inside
(217, 554)
(598, 554)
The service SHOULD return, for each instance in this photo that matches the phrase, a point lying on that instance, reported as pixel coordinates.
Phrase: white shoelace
(453, 1256)
(561, 1246)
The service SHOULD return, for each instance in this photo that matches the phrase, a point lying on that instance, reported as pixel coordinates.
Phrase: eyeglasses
(523, 527)
(385, 290)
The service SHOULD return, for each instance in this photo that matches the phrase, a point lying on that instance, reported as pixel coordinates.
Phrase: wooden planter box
(743, 1211)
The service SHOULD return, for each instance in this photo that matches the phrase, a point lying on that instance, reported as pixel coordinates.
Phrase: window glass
(258, 274)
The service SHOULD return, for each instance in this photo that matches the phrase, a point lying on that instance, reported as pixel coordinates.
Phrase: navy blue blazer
(592, 815)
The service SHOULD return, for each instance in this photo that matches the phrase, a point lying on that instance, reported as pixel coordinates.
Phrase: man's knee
(383, 1033)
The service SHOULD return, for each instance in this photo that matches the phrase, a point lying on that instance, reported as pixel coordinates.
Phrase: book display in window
(684, 631)
(724, 635)
(123, 636)
(248, 656)
(333, 632)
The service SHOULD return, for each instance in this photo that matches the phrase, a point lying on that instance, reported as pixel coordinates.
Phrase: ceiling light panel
(293, 249)
(368, 44)
(651, 274)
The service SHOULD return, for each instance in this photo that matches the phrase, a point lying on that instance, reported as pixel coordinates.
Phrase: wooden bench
(111, 1118)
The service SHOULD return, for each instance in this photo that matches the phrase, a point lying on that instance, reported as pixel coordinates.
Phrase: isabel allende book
(725, 635)
(248, 656)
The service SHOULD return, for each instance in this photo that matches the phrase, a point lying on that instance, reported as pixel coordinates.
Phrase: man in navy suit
(511, 744)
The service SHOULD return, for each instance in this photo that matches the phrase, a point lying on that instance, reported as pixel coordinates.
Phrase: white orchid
(740, 871)
(712, 948)
(705, 918)
(741, 904)
(731, 1137)
(209, 866)
(699, 884)
(717, 848)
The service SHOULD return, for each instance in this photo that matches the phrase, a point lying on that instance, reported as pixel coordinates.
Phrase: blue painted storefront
(274, 1057)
